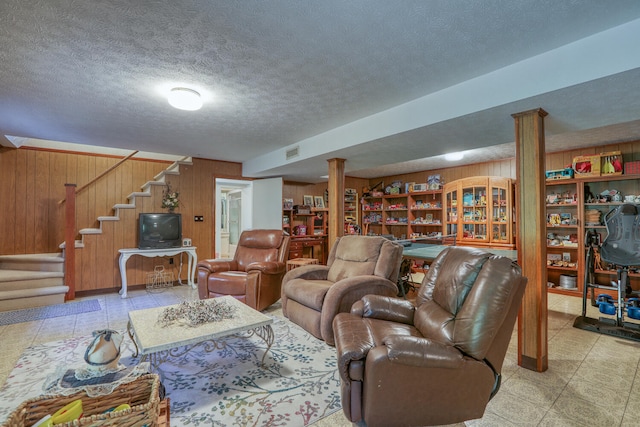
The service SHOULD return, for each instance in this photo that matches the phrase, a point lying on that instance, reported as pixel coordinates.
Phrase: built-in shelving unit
(578, 207)
(479, 211)
(404, 215)
(351, 212)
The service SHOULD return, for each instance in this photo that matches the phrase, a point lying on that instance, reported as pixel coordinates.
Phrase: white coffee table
(161, 342)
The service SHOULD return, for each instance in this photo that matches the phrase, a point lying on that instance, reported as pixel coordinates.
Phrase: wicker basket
(141, 394)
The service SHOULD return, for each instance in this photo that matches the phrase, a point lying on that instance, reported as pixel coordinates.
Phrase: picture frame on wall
(307, 200)
(319, 201)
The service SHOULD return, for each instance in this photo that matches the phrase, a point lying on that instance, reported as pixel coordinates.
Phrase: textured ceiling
(279, 74)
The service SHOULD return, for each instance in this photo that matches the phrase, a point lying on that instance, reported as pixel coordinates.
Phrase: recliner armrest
(422, 352)
(217, 265)
(385, 308)
(267, 267)
(353, 342)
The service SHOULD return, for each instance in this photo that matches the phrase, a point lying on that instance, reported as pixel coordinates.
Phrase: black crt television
(159, 230)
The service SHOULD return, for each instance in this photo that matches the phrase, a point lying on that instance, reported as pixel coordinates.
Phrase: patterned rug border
(49, 311)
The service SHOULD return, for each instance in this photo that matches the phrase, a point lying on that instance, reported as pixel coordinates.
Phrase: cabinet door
(500, 211)
(451, 214)
(474, 212)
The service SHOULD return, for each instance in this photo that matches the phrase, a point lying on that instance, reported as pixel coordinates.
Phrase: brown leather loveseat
(437, 361)
(254, 275)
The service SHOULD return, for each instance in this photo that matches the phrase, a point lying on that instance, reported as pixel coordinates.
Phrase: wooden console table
(125, 254)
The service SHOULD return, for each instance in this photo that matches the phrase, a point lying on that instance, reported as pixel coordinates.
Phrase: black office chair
(621, 248)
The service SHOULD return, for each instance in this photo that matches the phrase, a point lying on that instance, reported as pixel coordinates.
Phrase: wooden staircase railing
(121, 161)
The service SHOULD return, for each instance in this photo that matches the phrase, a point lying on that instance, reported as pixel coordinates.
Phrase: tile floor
(592, 379)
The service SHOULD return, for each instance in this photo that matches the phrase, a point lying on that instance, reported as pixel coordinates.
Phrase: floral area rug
(222, 385)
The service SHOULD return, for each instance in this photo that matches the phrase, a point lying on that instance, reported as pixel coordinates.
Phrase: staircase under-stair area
(32, 280)
(36, 280)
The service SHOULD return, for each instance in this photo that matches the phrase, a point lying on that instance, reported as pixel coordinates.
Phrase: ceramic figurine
(103, 353)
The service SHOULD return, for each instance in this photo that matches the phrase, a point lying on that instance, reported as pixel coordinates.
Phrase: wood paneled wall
(32, 220)
(296, 190)
(507, 167)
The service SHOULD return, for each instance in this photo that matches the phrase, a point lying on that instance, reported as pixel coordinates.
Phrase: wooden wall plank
(42, 186)
(8, 220)
(34, 220)
(57, 188)
(21, 194)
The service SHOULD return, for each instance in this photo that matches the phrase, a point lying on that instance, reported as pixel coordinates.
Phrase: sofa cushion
(228, 283)
(309, 293)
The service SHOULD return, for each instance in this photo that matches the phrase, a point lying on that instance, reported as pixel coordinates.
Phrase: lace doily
(195, 313)
(66, 381)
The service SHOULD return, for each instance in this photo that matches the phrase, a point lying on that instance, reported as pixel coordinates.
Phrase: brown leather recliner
(437, 361)
(254, 275)
(357, 265)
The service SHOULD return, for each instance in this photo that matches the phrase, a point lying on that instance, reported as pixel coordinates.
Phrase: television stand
(125, 254)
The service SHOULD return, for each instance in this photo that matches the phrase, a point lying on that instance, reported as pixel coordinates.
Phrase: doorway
(234, 210)
(230, 216)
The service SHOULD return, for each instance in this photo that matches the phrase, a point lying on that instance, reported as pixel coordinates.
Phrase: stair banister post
(70, 242)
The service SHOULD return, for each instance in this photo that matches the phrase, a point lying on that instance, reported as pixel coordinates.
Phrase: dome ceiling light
(452, 157)
(185, 99)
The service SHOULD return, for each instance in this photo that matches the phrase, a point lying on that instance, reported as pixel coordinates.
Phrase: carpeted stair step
(35, 297)
(25, 279)
(31, 280)
(24, 289)
(33, 262)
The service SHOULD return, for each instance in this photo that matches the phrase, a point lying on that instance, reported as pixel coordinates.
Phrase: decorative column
(336, 200)
(531, 238)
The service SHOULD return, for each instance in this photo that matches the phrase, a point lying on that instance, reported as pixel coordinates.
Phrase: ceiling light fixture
(452, 157)
(185, 99)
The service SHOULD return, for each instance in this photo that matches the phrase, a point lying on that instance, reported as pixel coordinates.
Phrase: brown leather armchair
(357, 265)
(438, 360)
(254, 275)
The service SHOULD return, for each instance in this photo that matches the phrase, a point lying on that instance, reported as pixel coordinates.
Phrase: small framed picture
(307, 200)
(319, 202)
(287, 204)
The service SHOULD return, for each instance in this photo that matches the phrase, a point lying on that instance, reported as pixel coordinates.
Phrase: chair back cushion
(353, 256)
(465, 298)
(258, 245)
